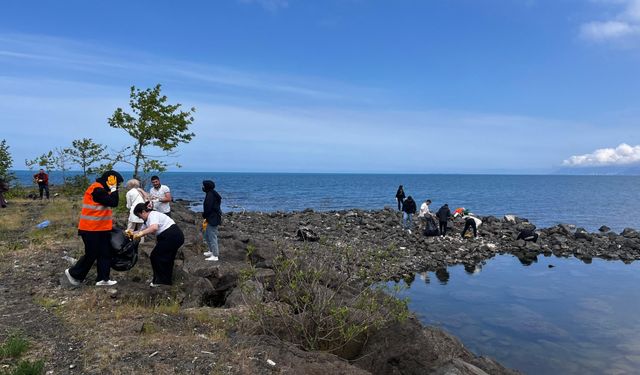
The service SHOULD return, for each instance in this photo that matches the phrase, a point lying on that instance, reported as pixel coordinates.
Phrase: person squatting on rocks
(169, 238)
(473, 222)
(408, 209)
(443, 215)
(528, 235)
(212, 215)
(134, 196)
(42, 179)
(96, 222)
(160, 196)
(400, 197)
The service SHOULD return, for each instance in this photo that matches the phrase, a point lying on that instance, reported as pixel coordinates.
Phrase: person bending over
(169, 238)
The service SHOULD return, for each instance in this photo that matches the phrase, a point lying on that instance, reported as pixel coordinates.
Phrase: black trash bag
(431, 228)
(124, 251)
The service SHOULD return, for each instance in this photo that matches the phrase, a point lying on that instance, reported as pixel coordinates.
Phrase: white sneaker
(212, 258)
(207, 254)
(72, 279)
(154, 285)
(409, 230)
(106, 283)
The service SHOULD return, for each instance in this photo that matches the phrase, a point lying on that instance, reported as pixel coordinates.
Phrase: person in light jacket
(134, 196)
(470, 221)
(212, 215)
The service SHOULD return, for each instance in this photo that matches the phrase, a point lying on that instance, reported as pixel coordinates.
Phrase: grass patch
(27, 368)
(14, 346)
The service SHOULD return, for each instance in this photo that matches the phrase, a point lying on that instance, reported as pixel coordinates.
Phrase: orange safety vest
(94, 217)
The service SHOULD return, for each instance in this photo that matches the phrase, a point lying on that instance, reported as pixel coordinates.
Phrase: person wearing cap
(169, 238)
(96, 222)
(212, 215)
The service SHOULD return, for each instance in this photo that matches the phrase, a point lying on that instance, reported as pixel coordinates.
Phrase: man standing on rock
(212, 215)
(96, 222)
(443, 215)
(400, 197)
(160, 196)
(408, 209)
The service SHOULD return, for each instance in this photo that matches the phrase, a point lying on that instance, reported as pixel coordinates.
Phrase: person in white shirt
(160, 196)
(169, 239)
(424, 209)
(134, 196)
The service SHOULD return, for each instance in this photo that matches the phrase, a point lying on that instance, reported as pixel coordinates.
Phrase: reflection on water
(555, 316)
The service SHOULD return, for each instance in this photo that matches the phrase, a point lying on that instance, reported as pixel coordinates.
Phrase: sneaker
(207, 254)
(212, 258)
(154, 285)
(72, 279)
(409, 231)
(106, 283)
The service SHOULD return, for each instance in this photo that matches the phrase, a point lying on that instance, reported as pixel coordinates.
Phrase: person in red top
(42, 179)
(94, 227)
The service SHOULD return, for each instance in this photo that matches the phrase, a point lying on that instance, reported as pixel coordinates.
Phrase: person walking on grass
(400, 197)
(169, 238)
(96, 222)
(42, 179)
(212, 215)
(443, 215)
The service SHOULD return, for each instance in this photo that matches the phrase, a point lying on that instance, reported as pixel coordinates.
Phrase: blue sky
(458, 86)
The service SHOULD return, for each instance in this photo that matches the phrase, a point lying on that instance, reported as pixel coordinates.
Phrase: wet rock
(581, 233)
(604, 229)
(629, 233)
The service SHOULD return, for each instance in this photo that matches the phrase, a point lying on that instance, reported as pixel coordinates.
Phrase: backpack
(431, 229)
(124, 251)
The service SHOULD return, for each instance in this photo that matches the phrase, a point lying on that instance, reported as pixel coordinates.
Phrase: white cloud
(621, 155)
(620, 27)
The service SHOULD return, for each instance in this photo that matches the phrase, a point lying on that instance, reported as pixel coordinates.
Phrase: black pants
(97, 246)
(443, 228)
(470, 223)
(164, 253)
(43, 187)
(399, 204)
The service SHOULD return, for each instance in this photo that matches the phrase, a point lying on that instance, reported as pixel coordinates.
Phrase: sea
(546, 200)
(554, 316)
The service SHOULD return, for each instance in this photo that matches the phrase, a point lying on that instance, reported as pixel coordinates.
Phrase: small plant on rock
(320, 302)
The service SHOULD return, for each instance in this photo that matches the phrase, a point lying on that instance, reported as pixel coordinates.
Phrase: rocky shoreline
(407, 348)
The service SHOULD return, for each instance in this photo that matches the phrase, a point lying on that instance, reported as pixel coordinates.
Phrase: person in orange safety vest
(96, 222)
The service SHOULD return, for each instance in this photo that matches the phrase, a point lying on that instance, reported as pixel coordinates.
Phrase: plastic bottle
(44, 224)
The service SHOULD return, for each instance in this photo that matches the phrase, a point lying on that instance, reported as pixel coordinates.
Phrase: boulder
(307, 234)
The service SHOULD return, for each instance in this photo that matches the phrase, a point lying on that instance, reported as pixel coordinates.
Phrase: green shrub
(14, 346)
(320, 302)
(27, 368)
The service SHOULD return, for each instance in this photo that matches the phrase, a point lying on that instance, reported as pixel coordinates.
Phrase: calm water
(587, 201)
(574, 318)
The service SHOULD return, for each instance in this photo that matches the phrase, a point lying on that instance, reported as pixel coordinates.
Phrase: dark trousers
(399, 204)
(470, 223)
(97, 246)
(164, 253)
(443, 228)
(45, 188)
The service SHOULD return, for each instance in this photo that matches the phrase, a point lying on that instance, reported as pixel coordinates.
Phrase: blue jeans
(407, 221)
(211, 238)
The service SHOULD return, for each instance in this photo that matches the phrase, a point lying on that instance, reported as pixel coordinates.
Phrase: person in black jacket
(400, 197)
(212, 215)
(443, 215)
(408, 209)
